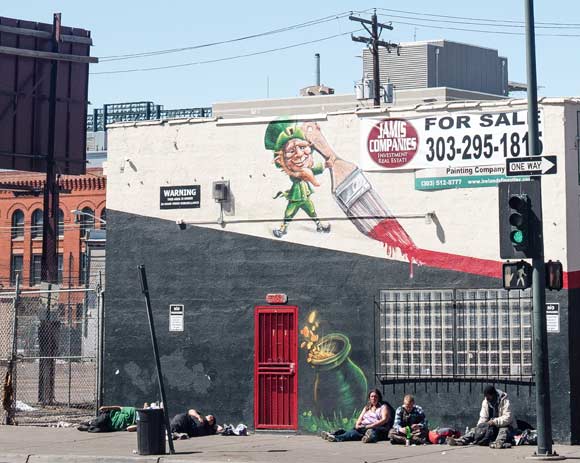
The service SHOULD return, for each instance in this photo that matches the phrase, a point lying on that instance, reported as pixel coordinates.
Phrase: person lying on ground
(111, 418)
(410, 424)
(496, 411)
(193, 424)
(371, 426)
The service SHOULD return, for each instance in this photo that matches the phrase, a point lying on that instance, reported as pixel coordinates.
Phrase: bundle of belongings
(440, 434)
(239, 430)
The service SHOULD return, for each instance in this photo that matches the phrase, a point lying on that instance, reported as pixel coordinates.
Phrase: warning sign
(553, 317)
(176, 312)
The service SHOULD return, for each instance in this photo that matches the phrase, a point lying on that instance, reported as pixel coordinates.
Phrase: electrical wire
(229, 58)
(479, 30)
(312, 22)
(518, 22)
(478, 22)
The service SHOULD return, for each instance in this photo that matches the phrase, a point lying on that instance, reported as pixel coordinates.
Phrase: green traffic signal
(517, 237)
(519, 220)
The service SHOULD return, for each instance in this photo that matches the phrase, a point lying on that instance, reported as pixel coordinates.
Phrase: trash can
(150, 431)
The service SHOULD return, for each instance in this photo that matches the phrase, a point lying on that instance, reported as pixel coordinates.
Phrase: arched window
(37, 222)
(18, 224)
(87, 220)
(104, 219)
(60, 223)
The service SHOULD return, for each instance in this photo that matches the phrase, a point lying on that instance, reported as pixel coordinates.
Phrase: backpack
(484, 434)
(440, 434)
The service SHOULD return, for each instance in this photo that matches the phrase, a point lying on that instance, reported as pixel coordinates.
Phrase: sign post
(540, 336)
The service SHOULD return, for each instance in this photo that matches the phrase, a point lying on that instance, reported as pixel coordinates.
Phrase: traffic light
(519, 220)
(554, 275)
(517, 275)
(520, 226)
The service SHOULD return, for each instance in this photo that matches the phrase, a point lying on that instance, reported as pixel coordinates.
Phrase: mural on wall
(340, 386)
(293, 144)
(293, 154)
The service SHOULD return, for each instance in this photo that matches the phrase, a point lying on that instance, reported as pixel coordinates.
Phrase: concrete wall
(221, 273)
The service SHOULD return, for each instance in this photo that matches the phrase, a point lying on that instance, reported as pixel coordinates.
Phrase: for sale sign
(445, 140)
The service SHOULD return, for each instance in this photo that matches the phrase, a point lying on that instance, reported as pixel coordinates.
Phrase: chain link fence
(49, 354)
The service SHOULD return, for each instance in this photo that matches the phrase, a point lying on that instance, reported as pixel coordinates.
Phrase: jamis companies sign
(392, 143)
(443, 140)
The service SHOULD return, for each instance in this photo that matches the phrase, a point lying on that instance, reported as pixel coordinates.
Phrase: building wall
(85, 191)
(220, 273)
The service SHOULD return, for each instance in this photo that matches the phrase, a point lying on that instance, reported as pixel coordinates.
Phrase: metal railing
(139, 111)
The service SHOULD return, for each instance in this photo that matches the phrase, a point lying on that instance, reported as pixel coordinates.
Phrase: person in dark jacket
(192, 424)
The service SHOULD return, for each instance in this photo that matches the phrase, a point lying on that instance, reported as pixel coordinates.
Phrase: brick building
(21, 226)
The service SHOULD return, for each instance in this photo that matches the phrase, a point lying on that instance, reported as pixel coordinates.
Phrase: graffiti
(293, 147)
(340, 385)
(293, 154)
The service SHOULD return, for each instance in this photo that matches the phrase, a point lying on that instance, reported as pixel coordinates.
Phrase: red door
(276, 367)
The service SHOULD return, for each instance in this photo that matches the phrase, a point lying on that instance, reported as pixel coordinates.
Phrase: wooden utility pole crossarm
(375, 43)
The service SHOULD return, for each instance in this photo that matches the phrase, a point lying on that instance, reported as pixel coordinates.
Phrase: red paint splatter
(393, 236)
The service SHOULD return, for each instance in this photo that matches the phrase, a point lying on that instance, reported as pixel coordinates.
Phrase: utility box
(221, 191)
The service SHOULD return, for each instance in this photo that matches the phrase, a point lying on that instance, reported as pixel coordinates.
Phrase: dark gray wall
(220, 277)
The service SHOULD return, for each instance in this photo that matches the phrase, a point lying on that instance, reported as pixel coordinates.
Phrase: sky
(282, 63)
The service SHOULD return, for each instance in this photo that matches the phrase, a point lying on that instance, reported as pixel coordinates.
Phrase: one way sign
(535, 165)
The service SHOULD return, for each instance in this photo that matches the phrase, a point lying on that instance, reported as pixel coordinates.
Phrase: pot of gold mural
(340, 386)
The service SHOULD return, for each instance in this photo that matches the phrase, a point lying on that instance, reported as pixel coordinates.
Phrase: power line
(538, 23)
(480, 23)
(479, 30)
(229, 58)
(313, 22)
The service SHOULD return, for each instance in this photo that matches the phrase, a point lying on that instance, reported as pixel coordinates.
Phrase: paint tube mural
(293, 145)
(340, 386)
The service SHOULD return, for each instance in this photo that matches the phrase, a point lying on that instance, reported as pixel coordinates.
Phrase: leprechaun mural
(293, 153)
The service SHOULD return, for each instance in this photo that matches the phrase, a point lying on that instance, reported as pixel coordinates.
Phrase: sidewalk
(20, 444)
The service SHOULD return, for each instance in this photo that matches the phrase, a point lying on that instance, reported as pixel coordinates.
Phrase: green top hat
(279, 133)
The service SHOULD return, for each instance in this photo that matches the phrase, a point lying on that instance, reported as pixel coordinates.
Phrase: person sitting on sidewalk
(372, 425)
(110, 419)
(496, 412)
(410, 424)
(192, 424)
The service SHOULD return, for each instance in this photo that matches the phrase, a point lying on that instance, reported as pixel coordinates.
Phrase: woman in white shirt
(372, 424)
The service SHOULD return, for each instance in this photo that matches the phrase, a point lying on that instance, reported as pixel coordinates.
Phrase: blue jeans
(377, 434)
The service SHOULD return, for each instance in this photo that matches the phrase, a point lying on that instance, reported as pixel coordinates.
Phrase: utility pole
(374, 42)
(540, 336)
(49, 272)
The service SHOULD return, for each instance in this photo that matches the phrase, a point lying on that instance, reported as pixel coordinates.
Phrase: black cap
(490, 390)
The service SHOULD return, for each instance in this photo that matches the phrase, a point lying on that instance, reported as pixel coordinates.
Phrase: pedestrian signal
(554, 275)
(517, 275)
